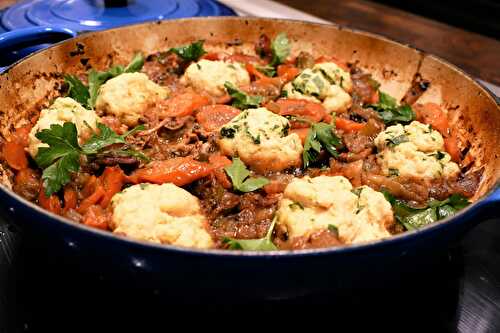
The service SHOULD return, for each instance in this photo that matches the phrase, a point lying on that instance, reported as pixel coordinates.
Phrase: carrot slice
(222, 178)
(375, 97)
(348, 125)
(112, 180)
(214, 56)
(52, 203)
(96, 217)
(432, 114)
(26, 177)
(451, 146)
(253, 71)
(179, 171)
(301, 132)
(15, 155)
(311, 111)
(212, 117)
(218, 162)
(89, 187)
(288, 72)
(185, 104)
(275, 186)
(70, 198)
(92, 199)
(21, 135)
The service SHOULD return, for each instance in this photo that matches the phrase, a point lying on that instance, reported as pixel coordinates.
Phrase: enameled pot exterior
(33, 80)
(204, 275)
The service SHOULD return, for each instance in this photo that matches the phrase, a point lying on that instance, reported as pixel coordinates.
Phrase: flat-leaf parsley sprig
(62, 156)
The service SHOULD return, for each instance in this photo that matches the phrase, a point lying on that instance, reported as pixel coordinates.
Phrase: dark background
(462, 32)
(481, 16)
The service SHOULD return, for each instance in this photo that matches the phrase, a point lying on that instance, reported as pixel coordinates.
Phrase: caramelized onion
(379, 182)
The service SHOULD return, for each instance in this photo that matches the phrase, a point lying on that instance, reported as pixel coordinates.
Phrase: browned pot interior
(35, 81)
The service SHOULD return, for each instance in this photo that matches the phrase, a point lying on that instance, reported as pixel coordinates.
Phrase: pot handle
(32, 38)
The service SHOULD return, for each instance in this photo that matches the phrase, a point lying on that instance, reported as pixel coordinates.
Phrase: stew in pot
(264, 150)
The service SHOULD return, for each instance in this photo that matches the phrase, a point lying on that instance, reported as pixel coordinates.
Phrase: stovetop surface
(458, 291)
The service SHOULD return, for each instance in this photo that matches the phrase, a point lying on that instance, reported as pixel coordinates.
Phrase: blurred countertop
(475, 53)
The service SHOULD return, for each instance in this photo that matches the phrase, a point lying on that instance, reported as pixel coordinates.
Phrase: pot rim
(352, 248)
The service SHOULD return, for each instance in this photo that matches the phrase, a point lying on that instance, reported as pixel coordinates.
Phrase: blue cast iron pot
(256, 274)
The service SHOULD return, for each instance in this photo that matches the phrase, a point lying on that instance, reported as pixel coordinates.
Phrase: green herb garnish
(390, 112)
(241, 100)
(191, 52)
(320, 136)
(413, 218)
(106, 137)
(260, 244)
(77, 90)
(267, 70)
(280, 48)
(123, 152)
(87, 96)
(227, 132)
(239, 175)
(135, 64)
(62, 157)
(97, 79)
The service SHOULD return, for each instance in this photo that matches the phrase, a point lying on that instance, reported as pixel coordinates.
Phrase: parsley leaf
(122, 152)
(241, 100)
(77, 90)
(130, 153)
(260, 244)
(58, 174)
(267, 70)
(386, 101)
(390, 112)
(320, 136)
(106, 137)
(413, 218)
(135, 64)
(239, 174)
(280, 48)
(62, 156)
(61, 140)
(191, 52)
(97, 79)
(328, 140)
